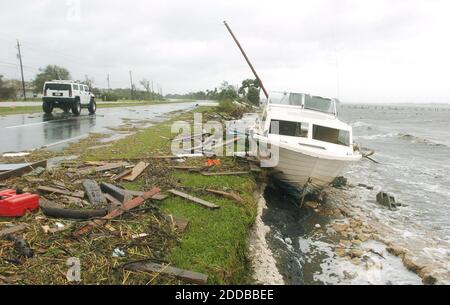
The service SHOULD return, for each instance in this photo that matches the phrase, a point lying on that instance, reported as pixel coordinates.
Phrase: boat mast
(246, 58)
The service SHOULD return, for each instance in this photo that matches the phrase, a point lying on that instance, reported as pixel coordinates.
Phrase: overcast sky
(357, 50)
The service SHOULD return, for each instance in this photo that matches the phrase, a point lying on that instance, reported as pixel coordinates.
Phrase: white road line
(34, 124)
(63, 141)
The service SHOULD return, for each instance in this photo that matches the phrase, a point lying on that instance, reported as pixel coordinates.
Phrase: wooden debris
(202, 202)
(22, 170)
(94, 193)
(255, 168)
(136, 171)
(114, 203)
(117, 212)
(134, 193)
(121, 175)
(179, 223)
(95, 163)
(52, 190)
(231, 195)
(185, 275)
(224, 173)
(12, 230)
(116, 192)
(110, 166)
(159, 197)
(187, 168)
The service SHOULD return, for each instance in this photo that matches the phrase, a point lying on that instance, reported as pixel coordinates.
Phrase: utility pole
(107, 78)
(21, 70)
(131, 82)
(153, 95)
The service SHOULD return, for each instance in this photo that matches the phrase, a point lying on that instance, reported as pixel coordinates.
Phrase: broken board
(185, 275)
(202, 202)
(52, 190)
(136, 171)
(22, 170)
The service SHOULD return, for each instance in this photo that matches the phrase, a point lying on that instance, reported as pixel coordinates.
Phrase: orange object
(212, 162)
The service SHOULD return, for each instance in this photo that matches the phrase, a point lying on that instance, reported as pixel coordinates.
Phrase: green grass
(216, 240)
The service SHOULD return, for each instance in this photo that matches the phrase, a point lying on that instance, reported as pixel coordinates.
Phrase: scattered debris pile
(86, 213)
(91, 211)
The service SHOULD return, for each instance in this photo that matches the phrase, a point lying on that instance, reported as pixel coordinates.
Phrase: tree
(6, 91)
(147, 86)
(250, 90)
(51, 72)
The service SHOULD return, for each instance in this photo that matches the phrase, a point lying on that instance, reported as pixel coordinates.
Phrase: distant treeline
(247, 92)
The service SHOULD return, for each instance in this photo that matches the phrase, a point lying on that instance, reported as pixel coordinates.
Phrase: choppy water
(412, 144)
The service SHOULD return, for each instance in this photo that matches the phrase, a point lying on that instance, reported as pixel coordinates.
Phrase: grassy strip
(34, 109)
(216, 241)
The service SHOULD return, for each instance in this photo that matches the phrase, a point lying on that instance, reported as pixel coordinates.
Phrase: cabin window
(75, 87)
(55, 87)
(288, 99)
(319, 104)
(331, 135)
(288, 128)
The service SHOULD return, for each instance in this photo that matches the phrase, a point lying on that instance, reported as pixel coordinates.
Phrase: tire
(47, 107)
(92, 107)
(76, 107)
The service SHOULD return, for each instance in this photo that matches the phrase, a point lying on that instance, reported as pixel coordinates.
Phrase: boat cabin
(306, 120)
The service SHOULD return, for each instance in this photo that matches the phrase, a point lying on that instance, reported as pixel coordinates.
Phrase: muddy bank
(329, 242)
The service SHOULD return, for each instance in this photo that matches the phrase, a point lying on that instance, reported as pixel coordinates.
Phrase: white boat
(311, 145)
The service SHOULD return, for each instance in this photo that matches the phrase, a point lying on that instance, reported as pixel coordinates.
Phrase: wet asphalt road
(29, 131)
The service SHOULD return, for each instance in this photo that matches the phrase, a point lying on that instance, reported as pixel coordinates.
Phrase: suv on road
(67, 95)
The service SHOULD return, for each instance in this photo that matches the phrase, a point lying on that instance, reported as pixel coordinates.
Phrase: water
(412, 144)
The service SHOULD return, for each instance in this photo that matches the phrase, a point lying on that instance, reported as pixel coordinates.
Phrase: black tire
(92, 107)
(47, 107)
(76, 107)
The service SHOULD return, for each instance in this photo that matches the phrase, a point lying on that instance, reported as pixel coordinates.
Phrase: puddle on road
(25, 132)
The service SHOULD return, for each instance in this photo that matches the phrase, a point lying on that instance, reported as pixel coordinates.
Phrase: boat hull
(300, 169)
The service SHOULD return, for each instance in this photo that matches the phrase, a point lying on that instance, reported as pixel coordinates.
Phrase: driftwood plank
(22, 170)
(185, 275)
(117, 212)
(110, 166)
(202, 202)
(137, 170)
(231, 195)
(159, 197)
(52, 190)
(12, 230)
(224, 173)
(114, 203)
(121, 175)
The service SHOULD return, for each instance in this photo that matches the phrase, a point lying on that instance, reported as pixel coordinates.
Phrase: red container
(15, 205)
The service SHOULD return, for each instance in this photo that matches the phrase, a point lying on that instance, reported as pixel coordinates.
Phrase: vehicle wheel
(76, 107)
(47, 107)
(92, 106)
